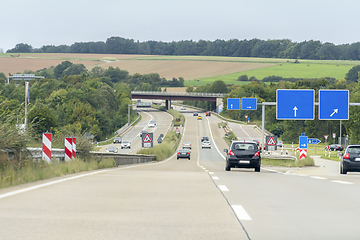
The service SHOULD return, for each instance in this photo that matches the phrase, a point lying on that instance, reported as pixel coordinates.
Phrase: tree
(59, 69)
(21, 48)
(42, 119)
(353, 74)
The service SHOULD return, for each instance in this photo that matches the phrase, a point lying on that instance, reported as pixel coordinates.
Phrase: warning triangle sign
(271, 141)
(147, 139)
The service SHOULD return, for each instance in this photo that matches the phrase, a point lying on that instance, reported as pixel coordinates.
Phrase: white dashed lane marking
(240, 212)
(215, 178)
(342, 182)
(223, 188)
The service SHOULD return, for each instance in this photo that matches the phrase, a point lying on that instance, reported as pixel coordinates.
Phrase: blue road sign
(233, 103)
(334, 104)
(303, 141)
(295, 104)
(248, 104)
(313, 141)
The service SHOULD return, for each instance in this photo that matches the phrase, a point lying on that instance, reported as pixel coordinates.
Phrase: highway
(182, 199)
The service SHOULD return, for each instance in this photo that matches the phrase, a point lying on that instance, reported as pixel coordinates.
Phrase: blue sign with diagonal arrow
(334, 104)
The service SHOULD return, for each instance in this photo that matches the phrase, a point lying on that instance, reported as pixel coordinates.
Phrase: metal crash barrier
(125, 159)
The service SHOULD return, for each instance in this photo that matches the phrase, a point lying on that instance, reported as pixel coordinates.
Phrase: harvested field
(183, 68)
(188, 68)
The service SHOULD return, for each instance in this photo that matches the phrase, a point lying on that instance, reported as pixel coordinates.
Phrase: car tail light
(178, 153)
(257, 154)
(347, 156)
(231, 153)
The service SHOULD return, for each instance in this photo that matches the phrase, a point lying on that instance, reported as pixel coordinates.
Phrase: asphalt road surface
(187, 199)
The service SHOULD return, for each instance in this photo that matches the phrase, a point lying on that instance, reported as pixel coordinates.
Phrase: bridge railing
(180, 94)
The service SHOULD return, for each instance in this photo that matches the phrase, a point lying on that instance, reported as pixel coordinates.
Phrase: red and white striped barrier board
(68, 149)
(73, 148)
(303, 153)
(46, 148)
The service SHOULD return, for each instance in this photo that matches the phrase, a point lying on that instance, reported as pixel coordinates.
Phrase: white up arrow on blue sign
(233, 103)
(313, 141)
(295, 104)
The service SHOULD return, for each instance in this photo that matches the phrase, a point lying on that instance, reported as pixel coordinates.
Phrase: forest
(281, 48)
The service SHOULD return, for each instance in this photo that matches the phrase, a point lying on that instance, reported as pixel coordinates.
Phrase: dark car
(336, 147)
(243, 155)
(195, 114)
(204, 138)
(350, 161)
(117, 140)
(183, 153)
(143, 132)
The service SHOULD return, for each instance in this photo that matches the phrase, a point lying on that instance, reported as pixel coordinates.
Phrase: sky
(49, 22)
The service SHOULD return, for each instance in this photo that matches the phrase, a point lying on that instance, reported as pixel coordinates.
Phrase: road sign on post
(295, 104)
(147, 140)
(334, 104)
(303, 142)
(233, 103)
(313, 141)
(248, 104)
(271, 143)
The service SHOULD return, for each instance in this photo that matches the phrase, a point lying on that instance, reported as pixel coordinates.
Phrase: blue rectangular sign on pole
(248, 104)
(233, 104)
(313, 141)
(334, 104)
(295, 104)
(303, 142)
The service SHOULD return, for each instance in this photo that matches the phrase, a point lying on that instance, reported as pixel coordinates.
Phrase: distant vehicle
(204, 138)
(152, 124)
(143, 132)
(243, 155)
(350, 161)
(208, 113)
(280, 143)
(117, 140)
(336, 147)
(183, 153)
(187, 145)
(126, 144)
(195, 114)
(199, 118)
(206, 144)
(111, 149)
(257, 141)
(183, 108)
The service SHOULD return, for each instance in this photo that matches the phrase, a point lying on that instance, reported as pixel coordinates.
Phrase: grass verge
(34, 171)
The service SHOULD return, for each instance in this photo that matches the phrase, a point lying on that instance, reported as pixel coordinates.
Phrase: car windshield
(187, 143)
(126, 142)
(206, 142)
(117, 138)
(183, 150)
(243, 146)
(111, 148)
(354, 150)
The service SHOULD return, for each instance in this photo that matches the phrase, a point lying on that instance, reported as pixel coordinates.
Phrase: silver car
(111, 149)
(126, 144)
(205, 144)
(187, 145)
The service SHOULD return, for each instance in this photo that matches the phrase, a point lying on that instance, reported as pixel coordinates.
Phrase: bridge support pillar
(168, 104)
(219, 105)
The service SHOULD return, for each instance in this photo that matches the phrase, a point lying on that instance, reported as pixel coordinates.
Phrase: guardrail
(120, 158)
(181, 94)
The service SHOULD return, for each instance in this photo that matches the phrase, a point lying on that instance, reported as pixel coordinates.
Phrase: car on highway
(183, 153)
(152, 124)
(199, 118)
(243, 154)
(280, 143)
(126, 144)
(256, 141)
(111, 149)
(187, 145)
(336, 147)
(208, 113)
(350, 161)
(183, 108)
(143, 132)
(204, 138)
(205, 144)
(195, 114)
(117, 140)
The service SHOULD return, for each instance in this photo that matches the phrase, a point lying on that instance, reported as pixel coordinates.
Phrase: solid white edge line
(240, 212)
(214, 141)
(316, 177)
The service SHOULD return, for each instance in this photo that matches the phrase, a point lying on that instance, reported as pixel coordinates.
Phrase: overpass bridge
(168, 96)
